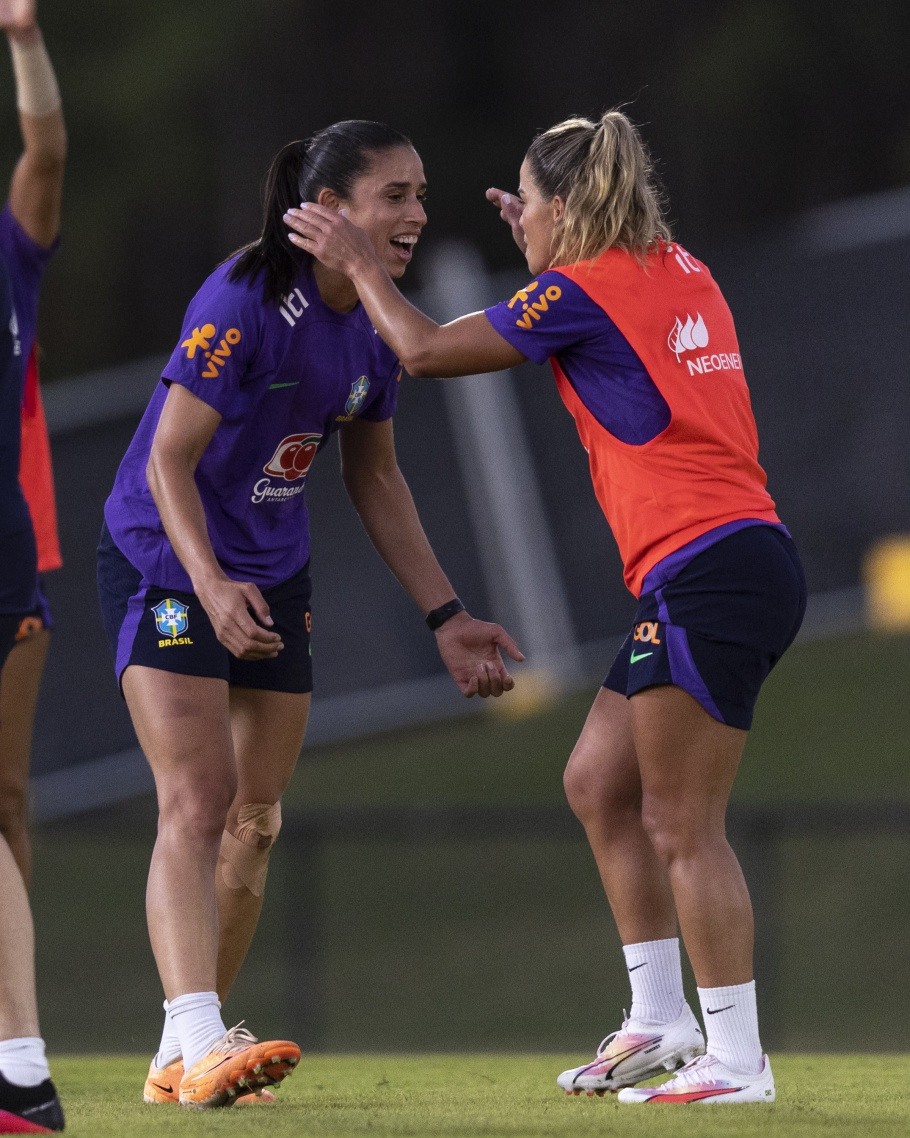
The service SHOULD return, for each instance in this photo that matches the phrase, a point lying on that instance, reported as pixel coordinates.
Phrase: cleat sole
(256, 1072)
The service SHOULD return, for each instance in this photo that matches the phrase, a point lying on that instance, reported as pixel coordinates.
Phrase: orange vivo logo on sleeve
(533, 307)
(203, 340)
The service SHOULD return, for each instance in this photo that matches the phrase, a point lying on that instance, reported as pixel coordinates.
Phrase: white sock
(169, 1047)
(196, 1018)
(23, 1062)
(731, 1026)
(655, 973)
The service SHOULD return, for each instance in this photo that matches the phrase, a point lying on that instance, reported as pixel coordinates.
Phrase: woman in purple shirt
(204, 583)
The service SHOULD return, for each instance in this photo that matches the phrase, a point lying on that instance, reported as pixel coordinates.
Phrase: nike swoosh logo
(633, 659)
(714, 1011)
(645, 962)
(275, 386)
(162, 1087)
(621, 1058)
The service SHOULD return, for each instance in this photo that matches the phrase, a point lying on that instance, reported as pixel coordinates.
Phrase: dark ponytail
(332, 159)
(273, 253)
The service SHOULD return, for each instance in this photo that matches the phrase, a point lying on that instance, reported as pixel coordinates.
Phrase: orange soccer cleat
(236, 1065)
(163, 1083)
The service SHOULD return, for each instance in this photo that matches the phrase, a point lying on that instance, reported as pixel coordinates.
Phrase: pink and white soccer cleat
(707, 1080)
(635, 1053)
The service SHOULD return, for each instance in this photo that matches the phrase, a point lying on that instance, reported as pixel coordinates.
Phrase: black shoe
(29, 1110)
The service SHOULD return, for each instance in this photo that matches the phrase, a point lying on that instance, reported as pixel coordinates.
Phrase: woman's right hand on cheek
(328, 235)
(510, 208)
(238, 611)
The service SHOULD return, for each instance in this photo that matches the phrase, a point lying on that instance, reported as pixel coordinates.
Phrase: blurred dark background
(755, 110)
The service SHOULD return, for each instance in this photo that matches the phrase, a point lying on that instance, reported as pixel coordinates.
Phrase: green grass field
(491, 1094)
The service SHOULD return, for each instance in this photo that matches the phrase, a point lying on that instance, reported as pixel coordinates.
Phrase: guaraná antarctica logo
(291, 462)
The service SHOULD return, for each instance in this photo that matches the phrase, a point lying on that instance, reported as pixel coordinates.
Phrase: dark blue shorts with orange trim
(170, 630)
(718, 627)
(38, 619)
(21, 626)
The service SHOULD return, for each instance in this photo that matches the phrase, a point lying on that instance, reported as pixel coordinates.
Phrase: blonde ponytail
(605, 175)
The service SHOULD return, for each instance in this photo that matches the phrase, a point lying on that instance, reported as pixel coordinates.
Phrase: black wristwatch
(438, 617)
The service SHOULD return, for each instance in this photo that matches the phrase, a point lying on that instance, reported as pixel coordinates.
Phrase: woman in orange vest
(645, 355)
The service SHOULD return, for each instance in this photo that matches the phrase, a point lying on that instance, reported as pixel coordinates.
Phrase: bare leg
(18, 699)
(183, 726)
(688, 762)
(603, 787)
(268, 729)
(18, 1008)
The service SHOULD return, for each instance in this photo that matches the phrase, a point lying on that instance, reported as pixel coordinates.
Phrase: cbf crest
(359, 389)
(171, 618)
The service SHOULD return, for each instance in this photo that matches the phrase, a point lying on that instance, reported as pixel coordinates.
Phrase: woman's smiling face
(387, 201)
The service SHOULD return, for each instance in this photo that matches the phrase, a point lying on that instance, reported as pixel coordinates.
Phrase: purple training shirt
(597, 359)
(283, 378)
(26, 261)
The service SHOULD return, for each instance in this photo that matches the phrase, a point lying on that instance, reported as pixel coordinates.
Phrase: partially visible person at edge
(204, 573)
(646, 359)
(28, 1098)
(29, 227)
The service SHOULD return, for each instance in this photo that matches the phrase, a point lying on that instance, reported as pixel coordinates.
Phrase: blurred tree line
(755, 110)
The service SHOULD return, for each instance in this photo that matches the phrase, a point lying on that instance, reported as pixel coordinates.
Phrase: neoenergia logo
(686, 337)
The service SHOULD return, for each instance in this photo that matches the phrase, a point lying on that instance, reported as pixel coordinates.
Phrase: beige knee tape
(245, 858)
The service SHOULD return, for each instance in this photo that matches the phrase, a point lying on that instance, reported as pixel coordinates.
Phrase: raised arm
(467, 346)
(36, 188)
(184, 431)
(469, 647)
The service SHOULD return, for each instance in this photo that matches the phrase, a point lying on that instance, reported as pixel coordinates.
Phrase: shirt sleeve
(217, 346)
(384, 405)
(26, 259)
(546, 316)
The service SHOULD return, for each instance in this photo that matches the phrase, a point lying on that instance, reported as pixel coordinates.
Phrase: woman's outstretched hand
(470, 650)
(337, 243)
(510, 208)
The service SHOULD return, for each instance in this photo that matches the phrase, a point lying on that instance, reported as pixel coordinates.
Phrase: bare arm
(467, 346)
(469, 648)
(36, 188)
(184, 431)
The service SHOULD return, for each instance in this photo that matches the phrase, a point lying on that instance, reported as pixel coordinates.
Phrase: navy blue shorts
(21, 627)
(169, 629)
(39, 618)
(719, 626)
(9, 626)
